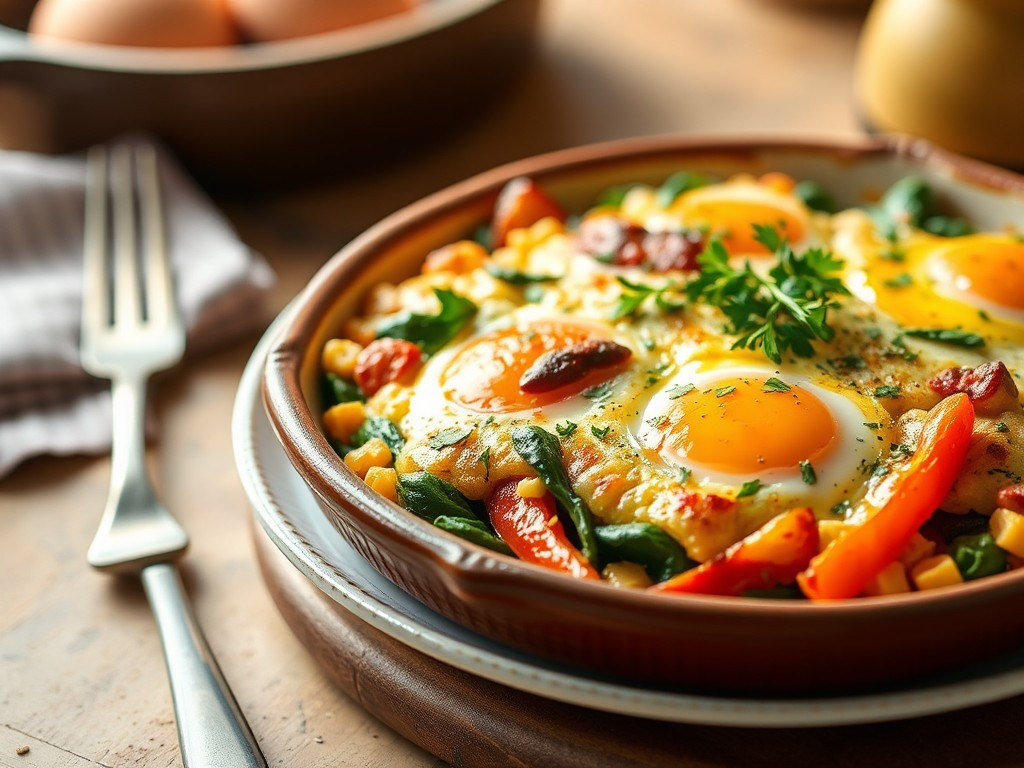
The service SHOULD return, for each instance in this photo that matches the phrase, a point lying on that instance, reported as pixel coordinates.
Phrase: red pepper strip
(849, 564)
(773, 555)
(533, 531)
(520, 204)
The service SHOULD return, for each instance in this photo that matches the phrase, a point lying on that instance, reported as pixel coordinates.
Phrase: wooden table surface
(81, 676)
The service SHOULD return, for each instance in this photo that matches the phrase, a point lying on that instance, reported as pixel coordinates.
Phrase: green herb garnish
(485, 459)
(784, 311)
(902, 280)
(515, 277)
(431, 332)
(449, 437)
(598, 391)
(564, 430)
(678, 390)
(947, 336)
(749, 488)
(888, 390)
(775, 385)
(807, 473)
(635, 294)
(814, 196)
(723, 391)
(676, 184)
(600, 434)
(1001, 426)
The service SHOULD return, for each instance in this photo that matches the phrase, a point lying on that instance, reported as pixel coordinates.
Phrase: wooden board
(474, 723)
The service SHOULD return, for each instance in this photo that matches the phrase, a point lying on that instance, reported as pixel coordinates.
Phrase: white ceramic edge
(566, 687)
(432, 15)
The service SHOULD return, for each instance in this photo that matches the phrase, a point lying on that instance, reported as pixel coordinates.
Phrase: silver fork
(130, 329)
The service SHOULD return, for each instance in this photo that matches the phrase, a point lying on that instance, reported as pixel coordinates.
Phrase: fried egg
(806, 439)
(731, 209)
(973, 283)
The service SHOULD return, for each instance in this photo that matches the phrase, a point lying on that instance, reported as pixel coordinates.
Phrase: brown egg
(143, 23)
(266, 20)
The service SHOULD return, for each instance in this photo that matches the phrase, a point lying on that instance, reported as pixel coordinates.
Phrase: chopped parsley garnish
(449, 437)
(894, 254)
(902, 280)
(807, 473)
(842, 509)
(775, 385)
(485, 459)
(657, 421)
(600, 434)
(947, 336)
(785, 310)
(899, 450)
(873, 424)
(749, 488)
(635, 294)
(598, 391)
(873, 332)
(1001, 426)
(676, 184)
(888, 390)
(723, 391)
(564, 430)
(677, 391)
(684, 474)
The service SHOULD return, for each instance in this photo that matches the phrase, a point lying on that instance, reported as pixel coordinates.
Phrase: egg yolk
(736, 428)
(733, 221)
(989, 269)
(484, 375)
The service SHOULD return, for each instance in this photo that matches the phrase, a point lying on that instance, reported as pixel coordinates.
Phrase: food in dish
(712, 386)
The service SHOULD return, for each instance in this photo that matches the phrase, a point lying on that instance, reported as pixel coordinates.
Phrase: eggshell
(142, 23)
(267, 20)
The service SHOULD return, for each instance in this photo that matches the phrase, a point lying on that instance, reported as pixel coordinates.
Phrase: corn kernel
(639, 203)
(626, 575)
(936, 571)
(339, 357)
(460, 258)
(1008, 531)
(372, 453)
(531, 488)
(384, 480)
(391, 401)
(916, 550)
(891, 580)
(829, 531)
(342, 420)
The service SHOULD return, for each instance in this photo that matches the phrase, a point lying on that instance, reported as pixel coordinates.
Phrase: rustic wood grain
(81, 678)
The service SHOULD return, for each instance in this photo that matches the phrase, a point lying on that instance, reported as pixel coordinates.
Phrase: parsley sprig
(635, 294)
(785, 310)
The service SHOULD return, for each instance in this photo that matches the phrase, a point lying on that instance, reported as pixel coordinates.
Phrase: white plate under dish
(287, 510)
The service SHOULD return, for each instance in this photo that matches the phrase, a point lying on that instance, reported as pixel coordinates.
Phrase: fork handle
(212, 730)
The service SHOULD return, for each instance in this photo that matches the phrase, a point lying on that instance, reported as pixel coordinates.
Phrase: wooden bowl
(733, 643)
(259, 115)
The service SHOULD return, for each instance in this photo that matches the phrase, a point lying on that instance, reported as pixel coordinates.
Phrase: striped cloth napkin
(48, 404)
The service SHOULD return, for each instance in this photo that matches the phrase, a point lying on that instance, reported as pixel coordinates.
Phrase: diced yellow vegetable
(383, 480)
(830, 530)
(936, 571)
(461, 257)
(342, 420)
(391, 401)
(1008, 530)
(626, 575)
(339, 357)
(890, 581)
(917, 549)
(532, 236)
(531, 488)
(373, 453)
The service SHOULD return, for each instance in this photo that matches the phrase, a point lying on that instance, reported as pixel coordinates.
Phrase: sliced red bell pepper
(770, 556)
(383, 361)
(520, 204)
(915, 492)
(531, 528)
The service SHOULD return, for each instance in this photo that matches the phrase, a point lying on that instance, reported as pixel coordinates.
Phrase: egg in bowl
(683, 391)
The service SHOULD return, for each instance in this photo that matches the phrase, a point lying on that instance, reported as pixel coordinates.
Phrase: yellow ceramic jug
(951, 71)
